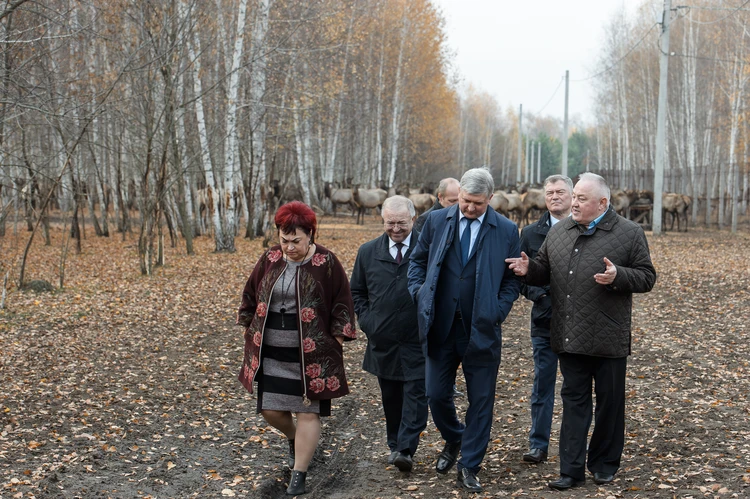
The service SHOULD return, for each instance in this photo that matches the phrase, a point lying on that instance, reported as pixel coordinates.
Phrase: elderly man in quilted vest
(593, 262)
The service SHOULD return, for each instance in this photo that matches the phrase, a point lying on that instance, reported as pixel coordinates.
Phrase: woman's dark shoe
(290, 458)
(447, 458)
(565, 482)
(296, 483)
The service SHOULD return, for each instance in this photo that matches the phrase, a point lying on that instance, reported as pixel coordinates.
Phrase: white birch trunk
(225, 240)
(300, 143)
(257, 112)
(707, 148)
(691, 110)
(330, 162)
(379, 117)
(185, 166)
(194, 48)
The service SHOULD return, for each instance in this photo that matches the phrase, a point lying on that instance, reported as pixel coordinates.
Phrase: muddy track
(330, 465)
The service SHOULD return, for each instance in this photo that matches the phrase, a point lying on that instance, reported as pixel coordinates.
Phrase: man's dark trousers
(543, 393)
(405, 416)
(441, 366)
(608, 439)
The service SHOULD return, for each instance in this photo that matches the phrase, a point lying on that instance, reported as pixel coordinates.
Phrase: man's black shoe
(565, 482)
(392, 456)
(468, 480)
(603, 478)
(535, 456)
(403, 461)
(447, 458)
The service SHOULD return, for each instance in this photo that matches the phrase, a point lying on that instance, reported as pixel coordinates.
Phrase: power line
(713, 8)
(631, 49)
(553, 95)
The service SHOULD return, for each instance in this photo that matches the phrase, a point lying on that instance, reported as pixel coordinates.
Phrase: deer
(532, 199)
(338, 196)
(367, 199)
(677, 206)
(422, 201)
(499, 203)
(620, 202)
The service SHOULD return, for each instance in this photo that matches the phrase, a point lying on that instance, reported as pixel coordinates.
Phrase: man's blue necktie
(466, 239)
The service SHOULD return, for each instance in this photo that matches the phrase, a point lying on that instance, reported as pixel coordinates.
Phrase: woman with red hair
(297, 311)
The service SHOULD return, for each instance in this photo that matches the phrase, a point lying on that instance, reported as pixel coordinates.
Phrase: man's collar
(461, 216)
(406, 242)
(553, 219)
(596, 220)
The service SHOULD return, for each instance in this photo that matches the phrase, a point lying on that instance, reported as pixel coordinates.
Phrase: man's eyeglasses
(393, 225)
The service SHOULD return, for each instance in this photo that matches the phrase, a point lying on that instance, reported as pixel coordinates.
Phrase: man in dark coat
(464, 291)
(594, 262)
(447, 196)
(558, 192)
(388, 318)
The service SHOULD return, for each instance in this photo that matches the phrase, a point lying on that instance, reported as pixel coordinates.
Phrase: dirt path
(125, 387)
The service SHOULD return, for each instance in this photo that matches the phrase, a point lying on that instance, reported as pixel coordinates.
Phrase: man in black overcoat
(388, 317)
(558, 195)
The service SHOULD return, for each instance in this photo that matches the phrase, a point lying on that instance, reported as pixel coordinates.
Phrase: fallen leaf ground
(124, 386)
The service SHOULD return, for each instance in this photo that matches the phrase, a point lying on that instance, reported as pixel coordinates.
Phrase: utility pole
(565, 129)
(539, 163)
(520, 143)
(526, 163)
(661, 120)
(531, 163)
(587, 159)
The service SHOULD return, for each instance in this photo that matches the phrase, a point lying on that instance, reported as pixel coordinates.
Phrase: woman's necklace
(284, 291)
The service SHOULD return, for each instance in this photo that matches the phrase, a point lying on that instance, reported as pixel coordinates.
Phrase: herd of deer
(522, 207)
(360, 200)
(518, 206)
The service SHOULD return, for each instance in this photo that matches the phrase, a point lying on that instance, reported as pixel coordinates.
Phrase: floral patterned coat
(324, 310)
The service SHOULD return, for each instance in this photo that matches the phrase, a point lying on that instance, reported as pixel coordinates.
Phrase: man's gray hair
(599, 181)
(399, 203)
(559, 178)
(478, 181)
(443, 185)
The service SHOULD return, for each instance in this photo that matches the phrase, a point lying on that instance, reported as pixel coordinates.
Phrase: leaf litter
(124, 386)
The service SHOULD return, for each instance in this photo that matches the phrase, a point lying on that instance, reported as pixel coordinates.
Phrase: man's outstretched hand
(519, 266)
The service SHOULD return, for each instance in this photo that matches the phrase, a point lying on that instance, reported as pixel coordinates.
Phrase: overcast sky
(518, 51)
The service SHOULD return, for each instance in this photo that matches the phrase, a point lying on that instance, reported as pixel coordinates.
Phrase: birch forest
(163, 120)
(167, 118)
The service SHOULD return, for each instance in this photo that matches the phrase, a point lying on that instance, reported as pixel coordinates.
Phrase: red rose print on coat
(317, 385)
(318, 259)
(257, 337)
(274, 256)
(349, 331)
(333, 383)
(307, 314)
(313, 371)
(254, 363)
(261, 309)
(308, 345)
